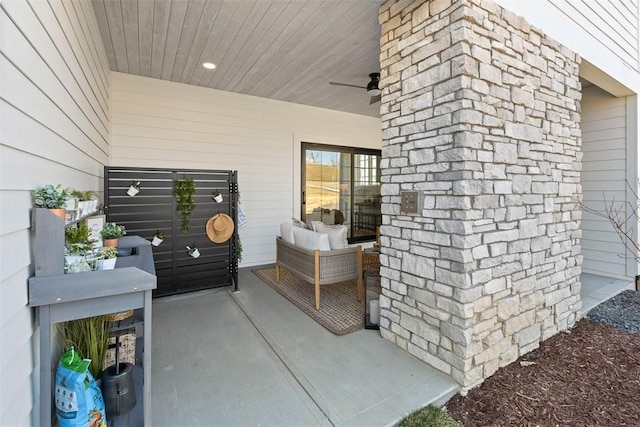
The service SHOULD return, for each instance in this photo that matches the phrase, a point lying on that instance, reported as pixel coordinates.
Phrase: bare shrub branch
(623, 217)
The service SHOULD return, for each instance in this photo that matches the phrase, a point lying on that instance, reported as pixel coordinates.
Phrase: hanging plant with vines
(183, 190)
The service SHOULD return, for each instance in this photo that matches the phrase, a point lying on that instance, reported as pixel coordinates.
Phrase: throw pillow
(286, 232)
(337, 234)
(314, 225)
(308, 239)
(297, 223)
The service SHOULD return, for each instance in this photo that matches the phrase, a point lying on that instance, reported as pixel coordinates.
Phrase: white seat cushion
(310, 239)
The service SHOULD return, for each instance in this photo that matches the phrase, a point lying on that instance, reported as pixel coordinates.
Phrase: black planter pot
(118, 390)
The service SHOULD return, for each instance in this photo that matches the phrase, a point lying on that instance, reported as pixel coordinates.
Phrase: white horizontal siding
(604, 32)
(54, 126)
(162, 124)
(603, 178)
(613, 24)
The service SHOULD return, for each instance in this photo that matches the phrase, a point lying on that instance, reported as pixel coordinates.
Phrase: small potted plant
(87, 204)
(134, 188)
(216, 196)
(110, 253)
(52, 198)
(90, 338)
(111, 232)
(78, 245)
(158, 238)
(77, 240)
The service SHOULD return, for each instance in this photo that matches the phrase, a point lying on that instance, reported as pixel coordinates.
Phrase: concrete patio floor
(252, 358)
(211, 367)
(597, 289)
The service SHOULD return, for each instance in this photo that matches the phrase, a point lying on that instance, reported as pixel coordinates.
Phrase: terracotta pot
(61, 213)
(110, 242)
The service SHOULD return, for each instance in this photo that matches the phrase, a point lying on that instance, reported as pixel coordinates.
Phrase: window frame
(352, 151)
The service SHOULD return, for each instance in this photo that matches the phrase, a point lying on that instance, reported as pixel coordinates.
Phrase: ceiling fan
(371, 87)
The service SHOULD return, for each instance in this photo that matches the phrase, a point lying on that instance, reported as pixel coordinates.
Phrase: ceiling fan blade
(346, 84)
(375, 99)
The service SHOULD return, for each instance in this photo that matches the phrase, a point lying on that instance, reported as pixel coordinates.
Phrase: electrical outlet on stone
(410, 202)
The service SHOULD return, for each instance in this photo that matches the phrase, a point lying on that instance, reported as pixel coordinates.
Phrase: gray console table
(59, 297)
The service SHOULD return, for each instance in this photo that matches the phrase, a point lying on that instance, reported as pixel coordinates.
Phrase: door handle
(304, 197)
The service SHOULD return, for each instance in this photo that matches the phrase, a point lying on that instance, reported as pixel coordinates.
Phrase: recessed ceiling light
(209, 65)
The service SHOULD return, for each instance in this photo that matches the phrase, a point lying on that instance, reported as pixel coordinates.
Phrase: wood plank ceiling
(278, 49)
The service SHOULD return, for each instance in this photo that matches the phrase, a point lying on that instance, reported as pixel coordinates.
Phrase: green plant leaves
(90, 337)
(51, 197)
(77, 239)
(112, 230)
(183, 190)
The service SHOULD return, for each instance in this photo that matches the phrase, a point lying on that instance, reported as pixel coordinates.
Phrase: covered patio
(501, 117)
(253, 358)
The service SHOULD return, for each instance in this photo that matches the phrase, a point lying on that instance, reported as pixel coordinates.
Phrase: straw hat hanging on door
(220, 228)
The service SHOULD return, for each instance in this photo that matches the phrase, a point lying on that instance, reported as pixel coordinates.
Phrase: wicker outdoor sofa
(320, 267)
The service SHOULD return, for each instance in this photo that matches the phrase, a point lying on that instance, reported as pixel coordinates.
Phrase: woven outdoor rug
(340, 311)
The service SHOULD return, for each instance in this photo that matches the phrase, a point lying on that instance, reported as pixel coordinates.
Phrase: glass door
(366, 194)
(326, 186)
(341, 185)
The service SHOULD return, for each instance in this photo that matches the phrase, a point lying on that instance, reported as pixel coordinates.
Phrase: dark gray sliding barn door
(154, 209)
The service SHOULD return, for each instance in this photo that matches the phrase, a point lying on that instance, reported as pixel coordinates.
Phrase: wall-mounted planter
(216, 196)
(134, 188)
(193, 251)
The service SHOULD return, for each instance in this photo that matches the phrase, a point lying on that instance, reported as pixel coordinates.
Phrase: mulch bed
(587, 377)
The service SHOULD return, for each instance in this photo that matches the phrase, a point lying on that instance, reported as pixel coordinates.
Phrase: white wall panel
(19, 398)
(162, 124)
(54, 128)
(604, 174)
(605, 33)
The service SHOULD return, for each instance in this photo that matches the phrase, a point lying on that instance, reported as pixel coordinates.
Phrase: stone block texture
(481, 115)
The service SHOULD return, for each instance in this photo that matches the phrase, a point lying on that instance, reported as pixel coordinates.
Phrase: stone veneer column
(481, 115)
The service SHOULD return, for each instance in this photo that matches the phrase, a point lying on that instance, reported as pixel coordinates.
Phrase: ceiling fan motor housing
(372, 86)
